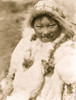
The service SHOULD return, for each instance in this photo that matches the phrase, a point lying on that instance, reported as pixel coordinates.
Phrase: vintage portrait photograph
(37, 49)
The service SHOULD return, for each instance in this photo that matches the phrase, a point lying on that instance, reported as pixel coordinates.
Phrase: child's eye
(39, 26)
(52, 24)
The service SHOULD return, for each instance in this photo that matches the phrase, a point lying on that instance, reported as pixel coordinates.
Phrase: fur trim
(65, 61)
(67, 48)
(52, 11)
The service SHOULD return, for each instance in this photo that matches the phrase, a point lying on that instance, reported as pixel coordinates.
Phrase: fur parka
(27, 71)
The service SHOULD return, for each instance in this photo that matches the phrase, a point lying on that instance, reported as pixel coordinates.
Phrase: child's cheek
(55, 29)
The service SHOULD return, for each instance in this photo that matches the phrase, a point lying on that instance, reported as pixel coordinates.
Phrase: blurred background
(11, 16)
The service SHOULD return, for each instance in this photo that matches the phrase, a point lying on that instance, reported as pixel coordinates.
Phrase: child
(34, 63)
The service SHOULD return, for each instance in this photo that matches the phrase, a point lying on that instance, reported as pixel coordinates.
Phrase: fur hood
(50, 8)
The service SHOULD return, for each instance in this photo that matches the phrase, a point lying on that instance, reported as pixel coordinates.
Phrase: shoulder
(67, 48)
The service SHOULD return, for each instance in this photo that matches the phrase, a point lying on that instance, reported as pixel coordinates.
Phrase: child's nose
(45, 31)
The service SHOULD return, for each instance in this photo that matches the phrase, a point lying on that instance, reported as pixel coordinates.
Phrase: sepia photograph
(37, 49)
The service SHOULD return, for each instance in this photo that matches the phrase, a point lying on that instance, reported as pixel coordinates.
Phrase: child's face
(46, 28)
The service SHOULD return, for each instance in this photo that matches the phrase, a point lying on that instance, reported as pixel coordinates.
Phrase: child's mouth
(47, 36)
(47, 39)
